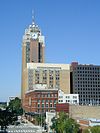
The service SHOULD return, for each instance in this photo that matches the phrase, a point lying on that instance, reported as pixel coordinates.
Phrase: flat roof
(48, 66)
(43, 90)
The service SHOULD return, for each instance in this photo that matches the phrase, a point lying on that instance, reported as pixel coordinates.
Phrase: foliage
(95, 129)
(40, 119)
(6, 117)
(64, 124)
(86, 131)
(15, 105)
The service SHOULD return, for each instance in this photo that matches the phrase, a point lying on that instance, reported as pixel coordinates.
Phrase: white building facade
(68, 98)
(49, 116)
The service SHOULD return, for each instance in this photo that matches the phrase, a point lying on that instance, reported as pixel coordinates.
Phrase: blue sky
(71, 29)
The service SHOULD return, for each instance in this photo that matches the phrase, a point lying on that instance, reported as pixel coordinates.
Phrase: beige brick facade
(65, 81)
(53, 75)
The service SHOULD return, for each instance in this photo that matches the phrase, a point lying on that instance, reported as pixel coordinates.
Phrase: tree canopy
(94, 129)
(6, 117)
(9, 115)
(64, 124)
(15, 105)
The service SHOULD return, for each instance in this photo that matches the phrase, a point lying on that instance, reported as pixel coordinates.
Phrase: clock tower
(33, 45)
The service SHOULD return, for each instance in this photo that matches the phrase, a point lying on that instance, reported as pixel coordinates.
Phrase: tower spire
(33, 17)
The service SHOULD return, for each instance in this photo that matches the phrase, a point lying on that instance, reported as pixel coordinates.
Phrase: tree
(6, 117)
(40, 119)
(64, 124)
(95, 129)
(16, 106)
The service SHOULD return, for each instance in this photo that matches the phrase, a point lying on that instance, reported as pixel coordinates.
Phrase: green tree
(95, 129)
(16, 106)
(40, 119)
(6, 117)
(64, 124)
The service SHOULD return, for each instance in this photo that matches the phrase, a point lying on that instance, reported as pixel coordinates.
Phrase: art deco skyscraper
(32, 50)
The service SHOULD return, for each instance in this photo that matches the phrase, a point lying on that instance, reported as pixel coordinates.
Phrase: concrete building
(41, 100)
(67, 98)
(85, 81)
(33, 45)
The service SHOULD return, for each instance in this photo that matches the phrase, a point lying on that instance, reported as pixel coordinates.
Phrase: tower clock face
(34, 36)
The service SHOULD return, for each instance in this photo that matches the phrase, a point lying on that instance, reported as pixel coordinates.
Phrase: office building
(85, 81)
(53, 75)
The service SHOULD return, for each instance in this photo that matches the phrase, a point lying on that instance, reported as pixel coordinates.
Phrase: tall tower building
(33, 45)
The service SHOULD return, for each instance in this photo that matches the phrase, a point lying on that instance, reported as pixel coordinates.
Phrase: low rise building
(67, 98)
(41, 100)
(90, 122)
(62, 107)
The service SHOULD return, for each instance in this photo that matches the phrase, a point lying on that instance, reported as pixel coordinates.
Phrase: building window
(46, 105)
(60, 96)
(55, 101)
(55, 95)
(54, 105)
(74, 97)
(42, 105)
(50, 105)
(74, 101)
(38, 105)
(48, 95)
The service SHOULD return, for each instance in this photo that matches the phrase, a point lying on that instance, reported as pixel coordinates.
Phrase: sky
(71, 29)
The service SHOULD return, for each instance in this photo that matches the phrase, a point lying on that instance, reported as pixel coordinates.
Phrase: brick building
(62, 107)
(41, 100)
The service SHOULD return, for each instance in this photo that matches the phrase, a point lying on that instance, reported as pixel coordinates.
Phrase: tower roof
(33, 28)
